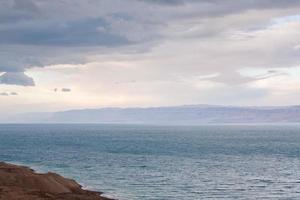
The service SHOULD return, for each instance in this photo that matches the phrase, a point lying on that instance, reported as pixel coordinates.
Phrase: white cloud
(149, 52)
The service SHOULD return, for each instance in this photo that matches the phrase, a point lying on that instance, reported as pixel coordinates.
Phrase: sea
(141, 162)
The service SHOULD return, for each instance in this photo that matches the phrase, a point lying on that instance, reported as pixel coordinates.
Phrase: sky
(73, 54)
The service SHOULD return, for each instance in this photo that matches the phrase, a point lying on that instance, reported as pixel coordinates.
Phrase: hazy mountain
(193, 114)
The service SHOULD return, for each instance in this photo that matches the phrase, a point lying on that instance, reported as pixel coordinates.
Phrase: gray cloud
(39, 33)
(83, 32)
(66, 90)
(16, 78)
(9, 94)
(25, 5)
(211, 7)
(4, 94)
(62, 90)
(234, 78)
(270, 74)
(165, 2)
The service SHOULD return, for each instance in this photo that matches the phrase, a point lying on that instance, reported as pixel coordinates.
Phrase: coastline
(21, 182)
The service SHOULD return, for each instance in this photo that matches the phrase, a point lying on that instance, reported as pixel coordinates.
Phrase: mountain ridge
(185, 114)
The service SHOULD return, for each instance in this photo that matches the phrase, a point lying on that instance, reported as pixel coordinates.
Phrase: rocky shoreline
(22, 183)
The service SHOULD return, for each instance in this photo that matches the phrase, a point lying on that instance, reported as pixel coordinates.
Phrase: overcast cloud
(137, 49)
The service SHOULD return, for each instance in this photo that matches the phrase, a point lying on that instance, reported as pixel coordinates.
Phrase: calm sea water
(163, 163)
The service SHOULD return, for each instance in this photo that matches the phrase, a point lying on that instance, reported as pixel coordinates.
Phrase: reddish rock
(22, 183)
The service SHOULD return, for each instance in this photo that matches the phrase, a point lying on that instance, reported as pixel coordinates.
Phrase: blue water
(163, 163)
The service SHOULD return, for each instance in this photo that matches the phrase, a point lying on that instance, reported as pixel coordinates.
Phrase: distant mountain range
(176, 115)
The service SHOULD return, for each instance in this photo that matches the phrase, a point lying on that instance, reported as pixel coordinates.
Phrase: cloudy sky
(66, 54)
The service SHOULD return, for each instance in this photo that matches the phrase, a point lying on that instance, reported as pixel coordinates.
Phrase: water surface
(134, 162)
